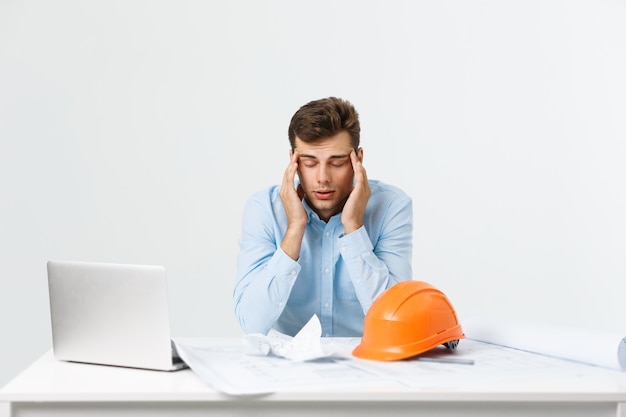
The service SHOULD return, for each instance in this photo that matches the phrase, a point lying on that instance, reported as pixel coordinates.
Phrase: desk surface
(49, 382)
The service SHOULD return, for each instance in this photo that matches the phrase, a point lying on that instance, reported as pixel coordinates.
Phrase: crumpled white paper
(304, 346)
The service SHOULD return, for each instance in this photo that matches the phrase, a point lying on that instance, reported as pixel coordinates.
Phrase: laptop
(111, 314)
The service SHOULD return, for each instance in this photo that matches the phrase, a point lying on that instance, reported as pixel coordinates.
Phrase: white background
(133, 131)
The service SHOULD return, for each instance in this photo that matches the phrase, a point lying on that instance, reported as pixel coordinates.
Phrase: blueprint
(593, 347)
(234, 369)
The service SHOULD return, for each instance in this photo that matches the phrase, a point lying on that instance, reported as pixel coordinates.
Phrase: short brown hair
(323, 118)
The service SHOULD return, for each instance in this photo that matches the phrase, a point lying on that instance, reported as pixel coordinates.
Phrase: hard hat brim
(393, 353)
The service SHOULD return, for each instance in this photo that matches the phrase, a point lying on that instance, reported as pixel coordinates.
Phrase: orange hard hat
(407, 319)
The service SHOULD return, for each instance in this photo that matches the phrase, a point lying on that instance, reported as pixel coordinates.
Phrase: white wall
(133, 131)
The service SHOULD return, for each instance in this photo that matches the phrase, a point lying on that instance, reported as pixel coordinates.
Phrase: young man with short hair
(327, 243)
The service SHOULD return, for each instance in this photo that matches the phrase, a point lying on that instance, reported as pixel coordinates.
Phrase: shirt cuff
(355, 244)
(281, 265)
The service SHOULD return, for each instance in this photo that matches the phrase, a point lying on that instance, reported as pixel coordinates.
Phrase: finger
(289, 175)
(293, 161)
(353, 157)
(359, 172)
(354, 160)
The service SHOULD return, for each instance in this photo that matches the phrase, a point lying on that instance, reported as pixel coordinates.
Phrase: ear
(359, 154)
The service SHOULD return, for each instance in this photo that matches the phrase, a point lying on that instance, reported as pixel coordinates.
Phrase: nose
(323, 175)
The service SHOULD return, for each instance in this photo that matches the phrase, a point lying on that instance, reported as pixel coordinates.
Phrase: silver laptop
(111, 314)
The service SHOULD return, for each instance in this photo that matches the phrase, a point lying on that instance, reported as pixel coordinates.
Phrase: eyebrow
(331, 157)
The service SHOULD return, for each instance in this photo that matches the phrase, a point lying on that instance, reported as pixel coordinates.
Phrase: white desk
(52, 388)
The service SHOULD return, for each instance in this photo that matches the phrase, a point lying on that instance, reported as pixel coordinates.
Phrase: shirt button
(326, 305)
(293, 272)
(327, 234)
(327, 270)
(344, 248)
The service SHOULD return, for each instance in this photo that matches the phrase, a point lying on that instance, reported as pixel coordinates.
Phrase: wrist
(292, 241)
(351, 227)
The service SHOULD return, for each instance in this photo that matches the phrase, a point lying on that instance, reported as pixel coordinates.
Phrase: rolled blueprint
(604, 349)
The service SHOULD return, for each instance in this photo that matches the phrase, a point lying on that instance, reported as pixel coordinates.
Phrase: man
(327, 243)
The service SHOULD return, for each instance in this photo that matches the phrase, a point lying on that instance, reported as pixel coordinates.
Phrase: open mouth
(324, 194)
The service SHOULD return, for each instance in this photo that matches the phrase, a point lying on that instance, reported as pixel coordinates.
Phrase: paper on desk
(304, 346)
(604, 349)
(227, 368)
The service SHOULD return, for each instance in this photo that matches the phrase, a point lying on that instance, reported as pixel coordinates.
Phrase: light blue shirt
(336, 277)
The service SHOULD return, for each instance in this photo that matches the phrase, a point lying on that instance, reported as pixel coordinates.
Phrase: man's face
(326, 173)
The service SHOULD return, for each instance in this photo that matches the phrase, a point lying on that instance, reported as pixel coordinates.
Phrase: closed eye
(339, 162)
(309, 163)
(334, 161)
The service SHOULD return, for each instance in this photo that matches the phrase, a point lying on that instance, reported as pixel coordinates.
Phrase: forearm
(262, 289)
(292, 241)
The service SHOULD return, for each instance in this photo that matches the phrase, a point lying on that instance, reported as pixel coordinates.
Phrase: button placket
(327, 277)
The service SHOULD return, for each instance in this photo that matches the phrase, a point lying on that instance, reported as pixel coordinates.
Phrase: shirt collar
(313, 216)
